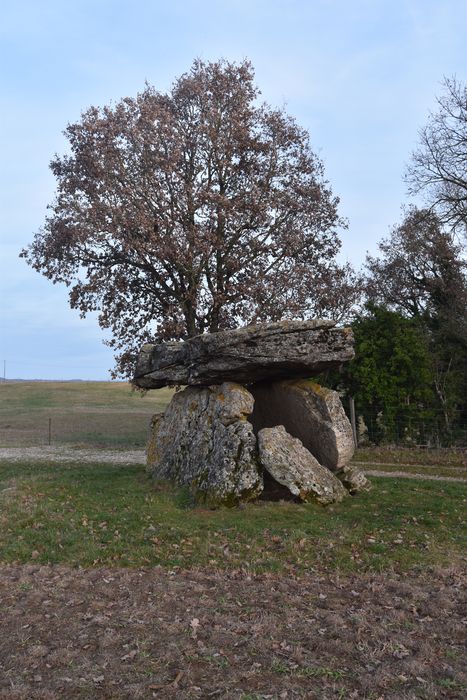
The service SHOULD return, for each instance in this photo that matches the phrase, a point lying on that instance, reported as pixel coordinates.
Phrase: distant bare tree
(439, 165)
(192, 211)
(421, 271)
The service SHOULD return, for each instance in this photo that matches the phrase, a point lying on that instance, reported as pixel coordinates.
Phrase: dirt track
(412, 475)
(115, 633)
(66, 454)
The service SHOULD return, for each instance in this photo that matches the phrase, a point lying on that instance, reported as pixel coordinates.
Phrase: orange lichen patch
(300, 384)
(318, 389)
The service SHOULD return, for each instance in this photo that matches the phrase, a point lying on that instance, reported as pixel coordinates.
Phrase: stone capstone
(204, 441)
(292, 465)
(286, 349)
(309, 412)
(223, 441)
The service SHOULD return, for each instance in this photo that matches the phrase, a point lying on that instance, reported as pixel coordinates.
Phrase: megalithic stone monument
(250, 410)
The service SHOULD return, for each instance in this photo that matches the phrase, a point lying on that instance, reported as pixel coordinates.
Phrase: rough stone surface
(292, 465)
(353, 479)
(151, 447)
(286, 349)
(309, 412)
(203, 440)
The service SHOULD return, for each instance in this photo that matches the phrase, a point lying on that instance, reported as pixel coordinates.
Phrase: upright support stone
(310, 412)
(204, 441)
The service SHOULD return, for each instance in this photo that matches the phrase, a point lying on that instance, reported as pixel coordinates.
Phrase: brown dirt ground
(155, 633)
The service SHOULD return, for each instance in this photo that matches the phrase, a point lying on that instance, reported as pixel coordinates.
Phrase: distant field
(99, 414)
(113, 415)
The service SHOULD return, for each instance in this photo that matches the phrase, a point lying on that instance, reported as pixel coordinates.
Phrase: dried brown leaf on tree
(192, 211)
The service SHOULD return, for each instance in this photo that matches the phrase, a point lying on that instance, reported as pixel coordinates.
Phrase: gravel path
(413, 475)
(67, 454)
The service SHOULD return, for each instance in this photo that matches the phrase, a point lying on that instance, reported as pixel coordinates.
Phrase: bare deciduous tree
(192, 211)
(421, 271)
(439, 165)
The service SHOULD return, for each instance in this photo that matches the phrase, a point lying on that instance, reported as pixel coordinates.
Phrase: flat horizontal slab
(282, 350)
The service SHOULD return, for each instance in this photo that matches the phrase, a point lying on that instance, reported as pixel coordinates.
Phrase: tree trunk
(190, 320)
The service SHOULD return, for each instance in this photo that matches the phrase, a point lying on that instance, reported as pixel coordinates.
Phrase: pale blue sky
(360, 75)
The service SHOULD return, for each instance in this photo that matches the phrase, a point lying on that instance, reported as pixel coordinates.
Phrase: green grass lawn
(98, 414)
(86, 515)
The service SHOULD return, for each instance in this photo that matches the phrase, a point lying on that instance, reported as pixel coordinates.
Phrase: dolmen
(251, 420)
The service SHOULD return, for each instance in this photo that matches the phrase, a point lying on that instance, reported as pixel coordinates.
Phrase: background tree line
(203, 209)
(409, 377)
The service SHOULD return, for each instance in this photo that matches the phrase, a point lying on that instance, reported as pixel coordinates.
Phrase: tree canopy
(391, 376)
(439, 165)
(421, 274)
(192, 211)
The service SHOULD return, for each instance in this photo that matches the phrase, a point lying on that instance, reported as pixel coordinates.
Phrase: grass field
(411, 456)
(114, 587)
(98, 414)
(451, 463)
(86, 515)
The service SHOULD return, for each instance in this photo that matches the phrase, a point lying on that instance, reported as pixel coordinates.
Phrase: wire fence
(110, 429)
(409, 426)
(114, 428)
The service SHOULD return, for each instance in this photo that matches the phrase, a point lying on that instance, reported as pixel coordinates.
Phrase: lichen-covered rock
(353, 479)
(285, 349)
(292, 465)
(310, 412)
(204, 441)
(151, 445)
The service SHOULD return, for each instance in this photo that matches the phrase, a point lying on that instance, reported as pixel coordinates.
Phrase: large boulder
(287, 349)
(309, 412)
(204, 441)
(292, 465)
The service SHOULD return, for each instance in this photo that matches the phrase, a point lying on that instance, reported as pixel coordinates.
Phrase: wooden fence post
(353, 421)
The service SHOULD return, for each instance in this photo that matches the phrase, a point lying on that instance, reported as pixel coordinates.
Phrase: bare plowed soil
(117, 633)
